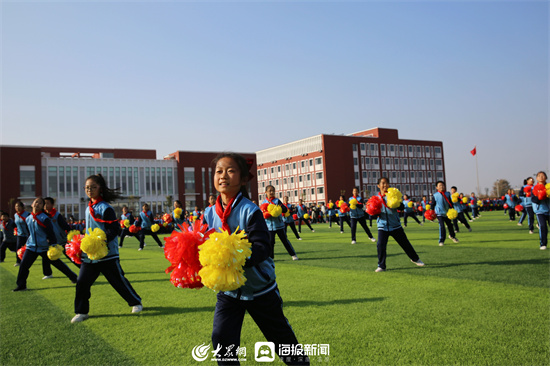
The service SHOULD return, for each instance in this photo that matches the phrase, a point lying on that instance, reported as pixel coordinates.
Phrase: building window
(61, 182)
(354, 147)
(75, 181)
(319, 175)
(356, 175)
(27, 182)
(318, 161)
(320, 190)
(362, 145)
(189, 179)
(136, 182)
(52, 181)
(159, 185)
(294, 166)
(300, 179)
(438, 164)
(355, 161)
(437, 151)
(310, 162)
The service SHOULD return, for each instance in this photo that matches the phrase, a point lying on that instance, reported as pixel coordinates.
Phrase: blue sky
(250, 75)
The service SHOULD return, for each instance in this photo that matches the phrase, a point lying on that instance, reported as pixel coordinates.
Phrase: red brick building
(323, 167)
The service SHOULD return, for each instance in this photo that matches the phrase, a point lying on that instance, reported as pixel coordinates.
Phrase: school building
(323, 167)
(60, 172)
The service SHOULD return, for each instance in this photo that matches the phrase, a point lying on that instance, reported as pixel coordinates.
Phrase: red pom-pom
(267, 215)
(505, 206)
(539, 190)
(420, 208)
(374, 205)
(21, 251)
(182, 251)
(527, 190)
(167, 218)
(122, 224)
(263, 206)
(519, 208)
(503, 197)
(430, 215)
(295, 217)
(344, 207)
(73, 249)
(134, 229)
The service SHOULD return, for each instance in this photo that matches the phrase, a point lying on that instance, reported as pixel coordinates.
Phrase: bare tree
(500, 187)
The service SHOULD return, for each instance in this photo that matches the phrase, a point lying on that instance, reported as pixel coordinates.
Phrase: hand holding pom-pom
(134, 229)
(527, 190)
(452, 214)
(464, 199)
(353, 204)
(547, 189)
(480, 203)
(410, 204)
(420, 208)
(177, 213)
(519, 208)
(21, 251)
(454, 197)
(393, 198)
(374, 205)
(167, 218)
(505, 206)
(539, 190)
(330, 205)
(428, 207)
(295, 217)
(94, 244)
(274, 210)
(155, 228)
(223, 257)
(306, 216)
(71, 234)
(73, 249)
(430, 215)
(343, 207)
(55, 252)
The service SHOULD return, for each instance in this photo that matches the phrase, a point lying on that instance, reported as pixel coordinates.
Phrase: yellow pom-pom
(336, 214)
(194, 218)
(222, 257)
(480, 203)
(330, 205)
(287, 214)
(353, 203)
(165, 224)
(547, 186)
(306, 216)
(464, 199)
(452, 214)
(339, 203)
(127, 223)
(70, 235)
(410, 204)
(274, 210)
(454, 197)
(177, 213)
(55, 252)
(94, 244)
(393, 198)
(155, 228)
(428, 207)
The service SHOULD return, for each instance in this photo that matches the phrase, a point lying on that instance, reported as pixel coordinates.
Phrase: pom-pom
(527, 190)
(264, 206)
(337, 214)
(480, 203)
(287, 214)
(519, 208)
(505, 206)
(393, 198)
(547, 186)
(222, 257)
(155, 228)
(274, 210)
(134, 229)
(339, 203)
(330, 205)
(539, 190)
(420, 208)
(177, 213)
(181, 249)
(454, 197)
(430, 215)
(55, 252)
(94, 244)
(165, 224)
(343, 207)
(14, 231)
(295, 217)
(464, 199)
(71, 234)
(306, 216)
(73, 249)
(21, 251)
(353, 204)
(167, 218)
(410, 204)
(122, 224)
(452, 214)
(428, 207)
(374, 205)
(194, 218)
(267, 215)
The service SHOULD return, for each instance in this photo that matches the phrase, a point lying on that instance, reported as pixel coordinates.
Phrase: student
(302, 210)
(423, 203)
(177, 221)
(459, 207)
(343, 216)
(525, 194)
(542, 210)
(357, 215)
(473, 206)
(41, 236)
(409, 211)
(441, 204)
(60, 226)
(146, 220)
(7, 226)
(211, 203)
(259, 296)
(511, 202)
(289, 220)
(276, 225)
(100, 214)
(464, 206)
(389, 224)
(126, 215)
(331, 213)
(22, 231)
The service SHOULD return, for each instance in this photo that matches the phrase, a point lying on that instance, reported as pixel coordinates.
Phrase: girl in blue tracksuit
(441, 204)
(41, 236)
(525, 195)
(126, 215)
(389, 224)
(289, 219)
(146, 221)
(60, 226)
(259, 296)
(302, 210)
(511, 202)
(177, 221)
(542, 210)
(100, 214)
(7, 226)
(343, 216)
(473, 206)
(276, 225)
(211, 204)
(409, 211)
(459, 207)
(357, 216)
(331, 213)
(23, 233)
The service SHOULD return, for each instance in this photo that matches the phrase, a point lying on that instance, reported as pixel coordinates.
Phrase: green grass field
(484, 301)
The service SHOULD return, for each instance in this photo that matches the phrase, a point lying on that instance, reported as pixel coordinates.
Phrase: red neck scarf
(52, 212)
(224, 214)
(145, 212)
(446, 199)
(270, 200)
(35, 216)
(4, 224)
(382, 197)
(92, 212)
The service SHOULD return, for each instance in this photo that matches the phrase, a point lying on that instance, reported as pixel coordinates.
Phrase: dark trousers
(512, 213)
(342, 220)
(467, 215)
(300, 224)
(462, 219)
(544, 222)
(125, 232)
(401, 239)
(20, 242)
(282, 236)
(363, 222)
(293, 227)
(29, 258)
(528, 211)
(331, 219)
(411, 214)
(4, 246)
(144, 232)
(267, 313)
(112, 271)
(444, 220)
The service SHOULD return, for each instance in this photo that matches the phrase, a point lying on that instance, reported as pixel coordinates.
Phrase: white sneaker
(379, 270)
(79, 318)
(16, 265)
(519, 223)
(47, 277)
(421, 224)
(299, 238)
(530, 231)
(341, 232)
(312, 231)
(373, 240)
(543, 247)
(353, 242)
(455, 240)
(137, 308)
(441, 244)
(295, 258)
(140, 249)
(419, 263)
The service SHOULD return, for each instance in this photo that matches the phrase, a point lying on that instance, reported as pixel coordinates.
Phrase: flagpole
(477, 176)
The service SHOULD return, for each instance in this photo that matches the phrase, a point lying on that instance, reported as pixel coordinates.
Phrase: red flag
(473, 152)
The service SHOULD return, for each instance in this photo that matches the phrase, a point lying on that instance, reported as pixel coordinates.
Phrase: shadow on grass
(342, 257)
(159, 310)
(307, 303)
(494, 263)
